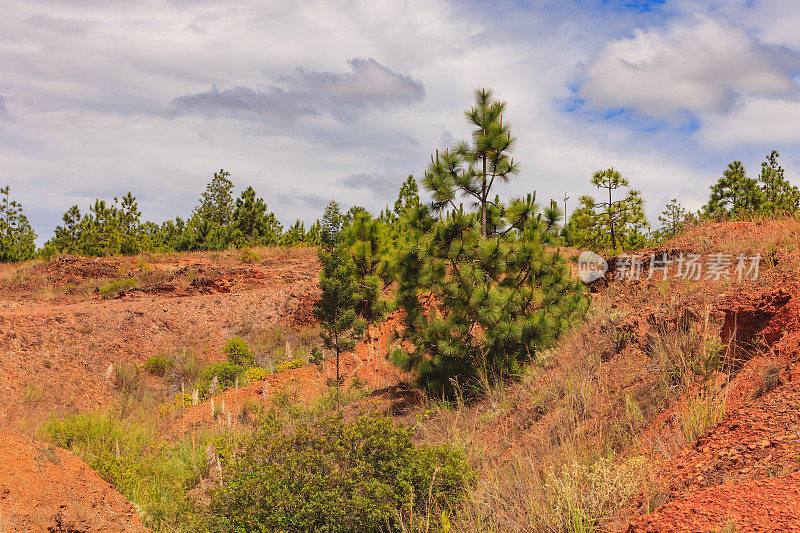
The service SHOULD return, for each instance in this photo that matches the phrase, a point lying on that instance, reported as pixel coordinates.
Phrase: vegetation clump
(334, 476)
(238, 352)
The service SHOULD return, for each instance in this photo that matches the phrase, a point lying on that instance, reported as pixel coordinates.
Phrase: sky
(309, 101)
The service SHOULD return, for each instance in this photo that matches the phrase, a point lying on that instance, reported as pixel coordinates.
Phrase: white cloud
(344, 96)
(705, 66)
(758, 121)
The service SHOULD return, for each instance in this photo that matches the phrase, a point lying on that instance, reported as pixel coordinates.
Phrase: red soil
(47, 489)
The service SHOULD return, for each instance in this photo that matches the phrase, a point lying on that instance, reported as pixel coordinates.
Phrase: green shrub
(157, 366)
(249, 256)
(127, 378)
(257, 373)
(114, 288)
(226, 373)
(151, 473)
(333, 476)
(238, 352)
(289, 365)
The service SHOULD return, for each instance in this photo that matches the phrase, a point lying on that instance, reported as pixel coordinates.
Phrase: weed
(699, 414)
(289, 365)
(249, 256)
(47, 363)
(770, 380)
(238, 352)
(114, 288)
(127, 378)
(32, 394)
(152, 474)
(158, 366)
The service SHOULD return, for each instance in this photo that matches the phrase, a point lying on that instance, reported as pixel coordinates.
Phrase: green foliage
(16, 234)
(475, 308)
(114, 288)
(733, 193)
(777, 193)
(254, 224)
(216, 203)
(105, 230)
(290, 365)
(216, 224)
(612, 224)
(371, 247)
(331, 226)
(249, 256)
(158, 366)
(226, 373)
(341, 328)
(408, 197)
(238, 352)
(154, 475)
(470, 170)
(332, 476)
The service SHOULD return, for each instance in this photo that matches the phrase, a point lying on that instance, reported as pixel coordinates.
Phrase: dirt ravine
(47, 489)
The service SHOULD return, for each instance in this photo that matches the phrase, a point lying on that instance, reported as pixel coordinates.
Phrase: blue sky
(316, 100)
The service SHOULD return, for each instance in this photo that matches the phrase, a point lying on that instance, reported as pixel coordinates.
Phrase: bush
(335, 477)
(238, 352)
(157, 366)
(249, 256)
(127, 378)
(152, 473)
(114, 288)
(289, 365)
(257, 373)
(225, 371)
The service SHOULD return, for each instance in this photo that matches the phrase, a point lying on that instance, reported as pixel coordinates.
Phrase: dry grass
(572, 445)
(765, 236)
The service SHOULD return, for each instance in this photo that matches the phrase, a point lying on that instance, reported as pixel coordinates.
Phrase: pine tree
(778, 194)
(476, 309)
(472, 169)
(734, 193)
(408, 197)
(341, 328)
(371, 245)
(255, 224)
(331, 226)
(672, 219)
(610, 224)
(17, 238)
(216, 203)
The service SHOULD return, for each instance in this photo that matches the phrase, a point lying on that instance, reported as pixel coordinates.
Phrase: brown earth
(48, 489)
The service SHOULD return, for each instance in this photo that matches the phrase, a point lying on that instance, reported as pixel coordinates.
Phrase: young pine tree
(778, 194)
(331, 226)
(216, 204)
(672, 219)
(341, 328)
(615, 224)
(472, 169)
(17, 239)
(733, 193)
(475, 308)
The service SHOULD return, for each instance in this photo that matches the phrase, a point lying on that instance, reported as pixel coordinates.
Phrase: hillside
(672, 406)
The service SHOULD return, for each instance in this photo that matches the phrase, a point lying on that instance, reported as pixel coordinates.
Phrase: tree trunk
(483, 200)
(611, 221)
(336, 340)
